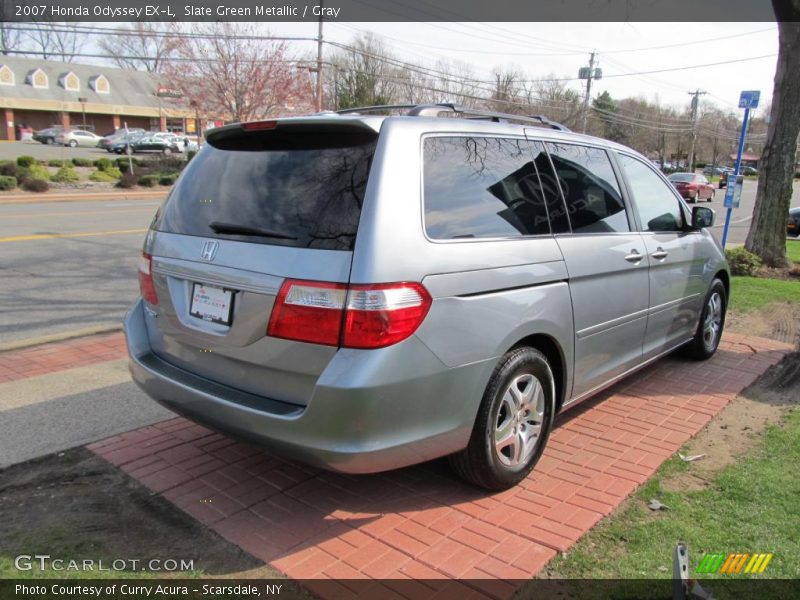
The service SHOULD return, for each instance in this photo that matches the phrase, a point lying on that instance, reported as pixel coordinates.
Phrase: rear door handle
(633, 257)
(660, 253)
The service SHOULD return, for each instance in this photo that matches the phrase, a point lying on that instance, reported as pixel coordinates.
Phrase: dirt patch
(791, 273)
(74, 505)
(740, 425)
(778, 321)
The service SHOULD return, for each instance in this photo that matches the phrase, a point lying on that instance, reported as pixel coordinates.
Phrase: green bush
(103, 164)
(742, 261)
(111, 174)
(123, 164)
(54, 162)
(36, 185)
(167, 179)
(66, 175)
(81, 162)
(101, 176)
(25, 161)
(128, 180)
(190, 155)
(700, 165)
(7, 182)
(149, 180)
(35, 171)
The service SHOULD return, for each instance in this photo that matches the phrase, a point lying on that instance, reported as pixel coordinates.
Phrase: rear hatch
(260, 203)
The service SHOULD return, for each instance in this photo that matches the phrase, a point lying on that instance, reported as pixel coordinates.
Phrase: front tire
(513, 422)
(712, 322)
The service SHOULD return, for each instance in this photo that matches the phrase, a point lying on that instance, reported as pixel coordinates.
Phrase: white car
(77, 137)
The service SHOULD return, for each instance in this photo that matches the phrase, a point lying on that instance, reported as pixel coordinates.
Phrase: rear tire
(712, 322)
(73, 143)
(513, 422)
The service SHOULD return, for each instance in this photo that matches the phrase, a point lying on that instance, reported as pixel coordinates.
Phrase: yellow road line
(52, 236)
(110, 212)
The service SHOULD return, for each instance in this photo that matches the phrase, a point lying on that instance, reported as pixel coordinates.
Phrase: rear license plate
(211, 303)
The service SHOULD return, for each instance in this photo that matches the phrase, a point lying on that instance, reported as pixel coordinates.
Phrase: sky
(541, 49)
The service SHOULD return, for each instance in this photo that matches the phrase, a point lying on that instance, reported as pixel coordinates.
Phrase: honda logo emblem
(209, 250)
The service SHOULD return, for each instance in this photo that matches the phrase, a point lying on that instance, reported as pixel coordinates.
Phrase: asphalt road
(742, 216)
(51, 284)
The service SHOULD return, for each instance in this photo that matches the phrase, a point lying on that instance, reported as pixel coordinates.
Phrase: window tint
(481, 187)
(590, 189)
(307, 193)
(659, 209)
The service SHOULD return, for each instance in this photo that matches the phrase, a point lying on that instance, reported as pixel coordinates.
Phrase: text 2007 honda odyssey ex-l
(365, 292)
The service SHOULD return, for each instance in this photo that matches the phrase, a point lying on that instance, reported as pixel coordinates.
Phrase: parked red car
(692, 186)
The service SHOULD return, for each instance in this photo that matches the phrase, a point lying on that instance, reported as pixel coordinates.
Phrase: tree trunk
(767, 237)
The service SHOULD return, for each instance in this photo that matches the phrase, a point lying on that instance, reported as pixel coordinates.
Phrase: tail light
(308, 311)
(146, 285)
(356, 316)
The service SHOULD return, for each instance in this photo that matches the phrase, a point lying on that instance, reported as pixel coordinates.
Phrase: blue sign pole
(747, 100)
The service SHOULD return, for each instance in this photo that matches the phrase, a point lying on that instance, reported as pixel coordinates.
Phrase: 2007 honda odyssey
(366, 292)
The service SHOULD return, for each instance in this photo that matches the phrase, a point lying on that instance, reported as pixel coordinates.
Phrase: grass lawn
(793, 250)
(752, 293)
(750, 506)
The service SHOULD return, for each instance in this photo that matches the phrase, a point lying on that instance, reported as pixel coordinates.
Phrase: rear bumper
(361, 419)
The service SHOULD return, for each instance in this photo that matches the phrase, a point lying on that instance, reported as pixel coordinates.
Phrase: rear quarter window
(478, 187)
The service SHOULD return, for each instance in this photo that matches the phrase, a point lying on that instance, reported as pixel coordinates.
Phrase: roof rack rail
(434, 110)
(375, 108)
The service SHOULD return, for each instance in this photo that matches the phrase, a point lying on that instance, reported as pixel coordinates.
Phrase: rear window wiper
(234, 229)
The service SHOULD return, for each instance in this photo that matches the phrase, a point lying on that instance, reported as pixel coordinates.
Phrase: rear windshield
(681, 177)
(287, 190)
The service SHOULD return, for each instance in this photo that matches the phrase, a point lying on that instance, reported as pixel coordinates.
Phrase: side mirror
(702, 217)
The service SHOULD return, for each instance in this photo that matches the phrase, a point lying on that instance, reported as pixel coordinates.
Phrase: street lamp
(83, 102)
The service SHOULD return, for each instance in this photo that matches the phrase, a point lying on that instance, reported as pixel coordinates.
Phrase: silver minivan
(366, 291)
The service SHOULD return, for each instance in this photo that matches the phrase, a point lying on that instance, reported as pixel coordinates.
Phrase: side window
(590, 188)
(481, 187)
(659, 209)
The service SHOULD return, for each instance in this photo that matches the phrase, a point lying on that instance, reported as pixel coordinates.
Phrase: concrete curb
(58, 337)
(82, 197)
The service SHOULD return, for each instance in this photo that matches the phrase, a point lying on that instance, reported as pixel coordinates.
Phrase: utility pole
(695, 103)
(318, 100)
(588, 73)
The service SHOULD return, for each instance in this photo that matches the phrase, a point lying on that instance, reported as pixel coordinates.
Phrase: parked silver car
(366, 292)
(77, 137)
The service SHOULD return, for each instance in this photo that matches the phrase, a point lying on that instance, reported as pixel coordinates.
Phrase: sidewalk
(421, 522)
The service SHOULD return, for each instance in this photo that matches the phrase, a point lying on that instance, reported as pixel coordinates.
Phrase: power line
(690, 43)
